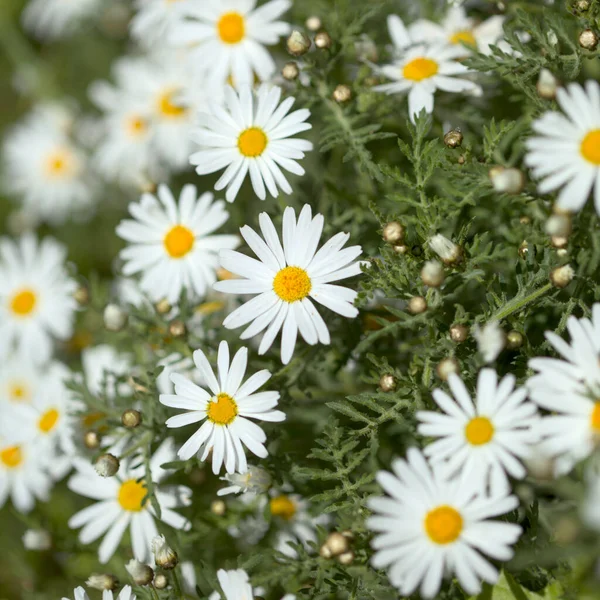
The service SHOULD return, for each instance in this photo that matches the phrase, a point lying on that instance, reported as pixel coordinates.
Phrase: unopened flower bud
(82, 295)
(177, 328)
(323, 40)
(417, 305)
(140, 573)
(115, 317)
(37, 539)
(324, 551)
(558, 225)
(347, 558)
(447, 367)
(458, 333)
(581, 6)
(387, 382)
(313, 23)
(523, 249)
(514, 340)
(298, 43)
(588, 39)
(559, 241)
(447, 250)
(342, 93)
(393, 232)
(432, 273)
(490, 340)
(164, 556)
(163, 307)
(91, 439)
(290, 71)
(131, 418)
(562, 276)
(400, 249)
(337, 543)
(103, 581)
(453, 138)
(107, 465)
(218, 507)
(160, 581)
(507, 181)
(546, 85)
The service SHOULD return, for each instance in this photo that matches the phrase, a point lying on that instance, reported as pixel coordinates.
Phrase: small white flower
(229, 38)
(286, 276)
(121, 504)
(569, 387)
(483, 440)
(428, 527)
(254, 481)
(115, 317)
(36, 296)
(37, 539)
(53, 19)
(422, 70)
(125, 594)
(565, 154)
(251, 134)
(225, 411)
(236, 586)
(173, 243)
(490, 340)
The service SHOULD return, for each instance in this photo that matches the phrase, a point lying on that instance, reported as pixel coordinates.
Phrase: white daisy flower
(566, 153)
(254, 481)
(422, 70)
(251, 134)
(174, 363)
(228, 38)
(286, 277)
(428, 527)
(483, 440)
(46, 171)
(21, 379)
(569, 387)
(154, 20)
(125, 594)
(457, 28)
(102, 366)
(53, 19)
(36, 296)
(171, 245)
(235, 585)
(120, 504)
(226, 410)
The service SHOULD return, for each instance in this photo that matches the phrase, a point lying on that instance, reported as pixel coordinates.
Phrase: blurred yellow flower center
(136, 126)
(292, 284)
(479, 431)
(231, 28)
(282, 506)
(443, 524)
(252, 142)
(168, 108)
(222, 411)
(92, 418)
(23, 302)
(18, 391)
(595, 418)
(208, 308)
(590, 147)
(419, 69)
(59, 163)
(11, 457)
(48, 420)
(179, 241)
(466, 37)
(131, 495)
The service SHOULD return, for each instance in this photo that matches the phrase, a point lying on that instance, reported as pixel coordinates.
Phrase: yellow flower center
(252, 142)
(59, 164)
(590, 147)
(11, 457)
(18, 391)
(132, 494)
(179, 241)
(222, 411)
(465, 37)
(419, 69)
(48, 420)
(443, 524)
(595, 418)
(168, 108)
(479, 431)
(23, 302)
(231, 28)
(136, 126)
(292, 284)
(282, 506)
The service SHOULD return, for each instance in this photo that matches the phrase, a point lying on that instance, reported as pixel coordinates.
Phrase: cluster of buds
(337, 545)
(298, 43)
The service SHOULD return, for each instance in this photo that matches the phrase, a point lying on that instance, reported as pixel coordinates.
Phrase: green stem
(177, 585)
(517, 304)
(145, 439)
(154, 593)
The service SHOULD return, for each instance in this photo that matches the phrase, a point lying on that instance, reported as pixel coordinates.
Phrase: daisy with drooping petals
(422, 70)
(565, 154)
(428, 527)
(170, 242)
(125, 594)
(235, 585)
(53, 19)
(226, 410)
(121, 504)
(36, 297)
(253, 482)
(483, 440)
(569, 387)
(228, 38)
(251, 134)
(286, 276)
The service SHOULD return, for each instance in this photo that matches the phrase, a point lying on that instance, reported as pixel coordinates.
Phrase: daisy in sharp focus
(286, 277)
(428, 527)
(226, 410)
(125, 594)
(569, 387)
(483, 440)
(565, 155)
(36, 297)
(171, 242)
(121, 504)
(423, 69)
(251, 134)
(236, 585)
(53, 19)
(228, 38)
